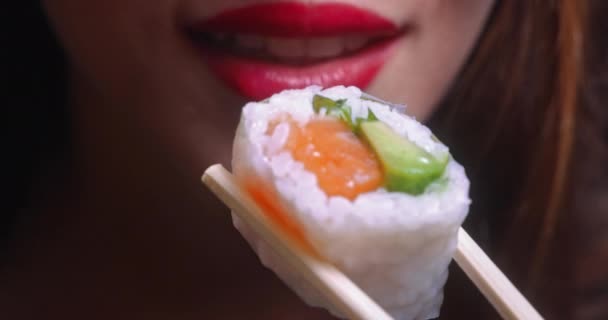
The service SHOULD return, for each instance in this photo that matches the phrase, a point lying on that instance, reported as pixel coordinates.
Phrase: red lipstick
(258, 73)
(298, 19)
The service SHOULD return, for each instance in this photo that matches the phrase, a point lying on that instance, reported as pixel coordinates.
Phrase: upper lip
(292, 19)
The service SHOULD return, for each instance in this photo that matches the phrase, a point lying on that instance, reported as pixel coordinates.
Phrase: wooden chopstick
(338, 288)
(327, 279)
(492, 283)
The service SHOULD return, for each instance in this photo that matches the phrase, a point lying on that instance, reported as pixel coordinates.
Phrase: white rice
(395, 246)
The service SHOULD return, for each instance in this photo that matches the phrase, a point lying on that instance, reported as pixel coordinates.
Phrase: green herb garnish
(340, 110)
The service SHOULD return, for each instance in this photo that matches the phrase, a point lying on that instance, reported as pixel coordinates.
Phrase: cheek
(134, 55)
(428, 59)
(112, 43)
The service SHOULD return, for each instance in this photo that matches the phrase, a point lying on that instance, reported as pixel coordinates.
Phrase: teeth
(325, 47)
(354, 43)
(286, 48)
(292, 49)
(251, 42)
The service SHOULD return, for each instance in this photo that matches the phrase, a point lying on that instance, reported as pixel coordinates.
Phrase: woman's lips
(266, 48)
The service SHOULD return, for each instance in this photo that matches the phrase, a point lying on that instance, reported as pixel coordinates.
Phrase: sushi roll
(359, 184)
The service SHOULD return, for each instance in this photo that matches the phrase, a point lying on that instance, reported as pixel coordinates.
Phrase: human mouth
(266, 48)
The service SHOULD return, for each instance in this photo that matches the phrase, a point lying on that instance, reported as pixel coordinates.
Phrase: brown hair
(511, 118)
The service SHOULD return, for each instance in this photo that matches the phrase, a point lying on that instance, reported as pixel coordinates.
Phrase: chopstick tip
(210, 171)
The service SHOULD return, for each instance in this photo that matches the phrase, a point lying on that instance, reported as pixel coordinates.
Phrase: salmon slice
(267, 199)
(344, 164)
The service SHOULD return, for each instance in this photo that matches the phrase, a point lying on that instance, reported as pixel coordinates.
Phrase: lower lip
(257, 79)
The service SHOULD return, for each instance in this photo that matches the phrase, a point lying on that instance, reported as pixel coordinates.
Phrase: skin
(126, 230)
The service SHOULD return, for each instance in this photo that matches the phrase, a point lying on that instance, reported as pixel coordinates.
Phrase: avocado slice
(407, 167)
